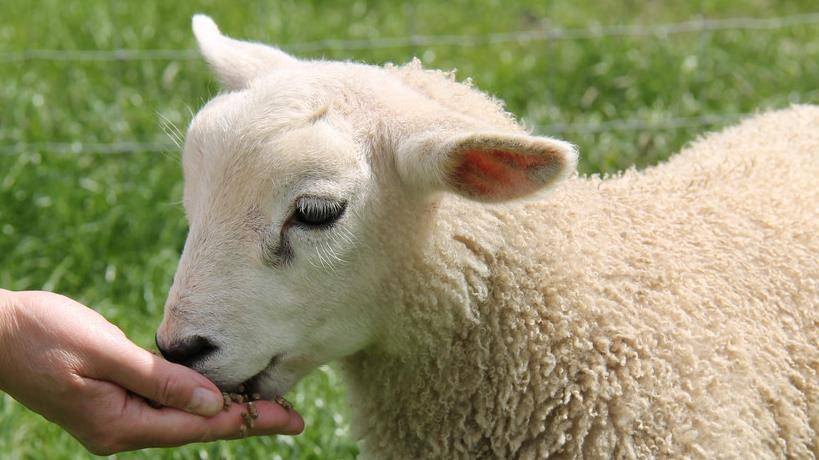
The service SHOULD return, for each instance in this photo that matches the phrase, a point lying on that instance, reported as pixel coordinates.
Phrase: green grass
(107, 229)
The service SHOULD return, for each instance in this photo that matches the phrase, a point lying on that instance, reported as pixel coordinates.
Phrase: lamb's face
(293, 181)
(276, 193)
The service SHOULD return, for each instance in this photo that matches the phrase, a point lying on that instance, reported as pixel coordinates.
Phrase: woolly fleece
(670, 312)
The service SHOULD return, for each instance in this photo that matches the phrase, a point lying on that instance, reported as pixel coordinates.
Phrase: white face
(292, 185)
(274, 256)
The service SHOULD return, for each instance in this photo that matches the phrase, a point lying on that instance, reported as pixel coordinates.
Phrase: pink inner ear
(498, 174)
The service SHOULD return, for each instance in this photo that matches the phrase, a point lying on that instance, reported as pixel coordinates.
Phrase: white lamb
(341, 211)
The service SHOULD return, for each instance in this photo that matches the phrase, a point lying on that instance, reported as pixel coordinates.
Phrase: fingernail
(205, 402)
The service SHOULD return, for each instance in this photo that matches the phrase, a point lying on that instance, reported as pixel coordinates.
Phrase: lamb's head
(296, 179)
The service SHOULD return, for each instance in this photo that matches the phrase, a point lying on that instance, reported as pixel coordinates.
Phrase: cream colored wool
(670, 312)
(665, 313)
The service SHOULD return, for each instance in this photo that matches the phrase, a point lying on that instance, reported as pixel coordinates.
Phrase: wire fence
(545, 34)
(551, 33)
(631, 124)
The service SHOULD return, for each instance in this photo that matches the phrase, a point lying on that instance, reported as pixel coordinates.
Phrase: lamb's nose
(187, 351)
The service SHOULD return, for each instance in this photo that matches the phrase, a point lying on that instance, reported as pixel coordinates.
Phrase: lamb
(485, 302)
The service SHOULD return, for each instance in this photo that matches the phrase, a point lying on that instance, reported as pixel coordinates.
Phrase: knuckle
(170, 392)
(75, 383)
(69, 384)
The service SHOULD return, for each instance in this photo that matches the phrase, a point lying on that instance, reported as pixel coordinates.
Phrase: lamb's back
(681, 300)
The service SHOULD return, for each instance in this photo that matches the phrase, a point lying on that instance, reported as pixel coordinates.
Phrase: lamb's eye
(316, 213)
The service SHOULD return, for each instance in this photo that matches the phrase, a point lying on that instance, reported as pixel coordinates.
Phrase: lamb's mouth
(250, 385)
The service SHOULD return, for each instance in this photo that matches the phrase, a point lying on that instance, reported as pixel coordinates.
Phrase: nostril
(187, 351)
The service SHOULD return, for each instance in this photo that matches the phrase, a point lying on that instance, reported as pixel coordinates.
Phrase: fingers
(110, 356)
(168, 427)
(154, 378)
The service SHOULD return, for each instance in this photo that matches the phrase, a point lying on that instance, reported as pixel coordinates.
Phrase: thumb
(167, 383)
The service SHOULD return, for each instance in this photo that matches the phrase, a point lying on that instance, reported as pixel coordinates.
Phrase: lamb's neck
(439, 287)
(434, 369)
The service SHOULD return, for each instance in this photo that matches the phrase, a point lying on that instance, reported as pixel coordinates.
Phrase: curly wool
(670, 312)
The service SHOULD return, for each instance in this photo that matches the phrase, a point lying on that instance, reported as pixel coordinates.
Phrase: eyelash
(315, 213)
(310, 213)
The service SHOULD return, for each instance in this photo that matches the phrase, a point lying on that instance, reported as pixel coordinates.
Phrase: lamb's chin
(271, 383)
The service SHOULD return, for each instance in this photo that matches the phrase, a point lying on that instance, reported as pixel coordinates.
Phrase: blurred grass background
(107, 228)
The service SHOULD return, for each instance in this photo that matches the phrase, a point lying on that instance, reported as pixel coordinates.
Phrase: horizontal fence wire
(626, 124)
(538, 35)
(87, 147)
(551, 33)
(640, 124)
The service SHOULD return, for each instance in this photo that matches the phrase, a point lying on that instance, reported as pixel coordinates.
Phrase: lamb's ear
(485, 166)
(235, 62)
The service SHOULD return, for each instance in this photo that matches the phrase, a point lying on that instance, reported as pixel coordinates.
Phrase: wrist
(8, 301)
(8, 307)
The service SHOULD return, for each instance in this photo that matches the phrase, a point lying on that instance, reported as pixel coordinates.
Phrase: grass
(107, 229)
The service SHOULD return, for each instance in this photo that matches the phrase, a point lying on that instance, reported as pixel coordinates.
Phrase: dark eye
(317, 213)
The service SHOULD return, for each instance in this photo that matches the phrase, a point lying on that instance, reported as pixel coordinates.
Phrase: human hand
(66, 362)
